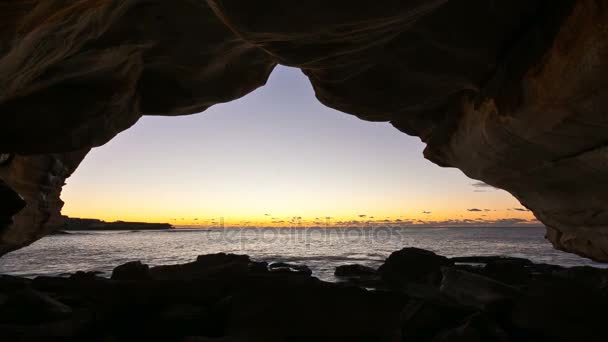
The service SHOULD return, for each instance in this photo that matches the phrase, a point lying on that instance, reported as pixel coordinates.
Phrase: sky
(278, 157)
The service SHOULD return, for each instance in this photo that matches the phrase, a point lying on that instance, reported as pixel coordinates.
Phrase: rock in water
(134, 270)
(283, 267)
(413, 265)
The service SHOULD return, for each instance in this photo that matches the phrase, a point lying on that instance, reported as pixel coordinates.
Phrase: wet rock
(134, 270)
(283, 267)
(474, 290)
(412, 265)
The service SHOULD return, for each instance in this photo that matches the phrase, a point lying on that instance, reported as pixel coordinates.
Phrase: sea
(322, 249)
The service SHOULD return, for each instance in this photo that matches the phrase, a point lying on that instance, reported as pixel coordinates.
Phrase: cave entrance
(275, 158)
(272, 156)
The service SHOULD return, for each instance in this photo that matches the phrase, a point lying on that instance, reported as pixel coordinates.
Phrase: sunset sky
(272, 156)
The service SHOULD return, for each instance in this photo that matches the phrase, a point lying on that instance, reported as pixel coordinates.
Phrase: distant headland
(96, 224)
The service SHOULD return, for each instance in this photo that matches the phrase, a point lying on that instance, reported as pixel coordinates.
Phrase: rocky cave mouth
(519, 104)
(512, 93)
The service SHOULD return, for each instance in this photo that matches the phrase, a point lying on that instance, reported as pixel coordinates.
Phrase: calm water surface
(321, 249)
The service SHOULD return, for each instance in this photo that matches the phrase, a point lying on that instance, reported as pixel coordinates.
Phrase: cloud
(474, 209)
(520, 209)
(362, 215)
(427, 212)
(267, 215)
(481, 185)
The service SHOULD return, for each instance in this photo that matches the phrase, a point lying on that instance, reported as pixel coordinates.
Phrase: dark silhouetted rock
(211, 265)
(12, 203)
(225, 297)
(134, 270)
(476, 328)
(474, 290)
(29, 306)
(354, 271)
(283, 267)
(509, 270)
(559, 309)
(412, 265)
(10, 283)
(422, 319)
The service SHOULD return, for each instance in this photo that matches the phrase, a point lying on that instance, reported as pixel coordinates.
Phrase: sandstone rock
(412, 265)
(512, 93)
(133, 270)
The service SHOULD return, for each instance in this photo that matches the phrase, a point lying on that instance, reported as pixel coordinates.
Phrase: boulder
(412, 265)
(134, 270)
(218, 265)
(509, 270)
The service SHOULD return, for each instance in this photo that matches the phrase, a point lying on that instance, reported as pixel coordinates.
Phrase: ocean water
(319, 248)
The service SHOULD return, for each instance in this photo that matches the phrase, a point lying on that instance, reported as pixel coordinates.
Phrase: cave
(518, 104)
(512, 93)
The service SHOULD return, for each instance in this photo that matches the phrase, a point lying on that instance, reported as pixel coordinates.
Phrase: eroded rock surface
(513, 93)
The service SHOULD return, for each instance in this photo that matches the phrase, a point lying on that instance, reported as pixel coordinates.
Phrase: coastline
(415, 295)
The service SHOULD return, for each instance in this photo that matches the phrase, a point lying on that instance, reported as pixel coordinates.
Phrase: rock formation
(226, 297)
(512, 93)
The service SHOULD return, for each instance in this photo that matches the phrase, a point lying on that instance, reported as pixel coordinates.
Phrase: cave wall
(510, 92)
